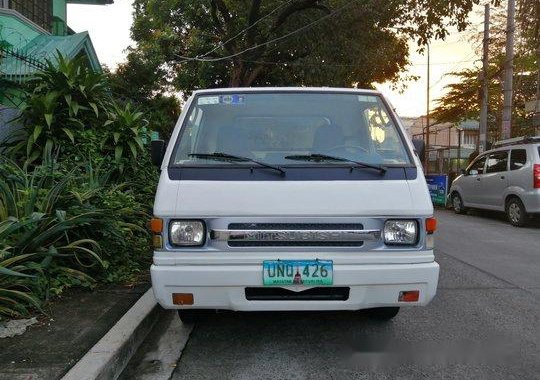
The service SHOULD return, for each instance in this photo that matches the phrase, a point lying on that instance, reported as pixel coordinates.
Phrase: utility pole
(426, 150)
(508, 71)
(482, 146)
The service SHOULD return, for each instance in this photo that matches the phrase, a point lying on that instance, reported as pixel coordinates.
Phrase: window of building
(38, 11)
(469, 138)
(497, 162)
(518, 158)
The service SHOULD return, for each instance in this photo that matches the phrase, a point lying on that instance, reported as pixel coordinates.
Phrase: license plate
(297, 272)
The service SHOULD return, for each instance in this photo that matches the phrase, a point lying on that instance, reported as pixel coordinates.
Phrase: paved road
(483, 324)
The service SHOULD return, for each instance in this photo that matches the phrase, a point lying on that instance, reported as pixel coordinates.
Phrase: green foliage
(75, 200)
(125, 132)
(60, 103)
(462, 99)
(39, 239)
(244, 43)
(140, 84)
(84, 91)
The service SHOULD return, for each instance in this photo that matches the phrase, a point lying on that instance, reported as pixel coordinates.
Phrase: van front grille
(295, 226)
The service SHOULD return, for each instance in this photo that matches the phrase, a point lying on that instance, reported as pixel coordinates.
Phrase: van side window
(497, 162)
(477, 165)
(518, 158)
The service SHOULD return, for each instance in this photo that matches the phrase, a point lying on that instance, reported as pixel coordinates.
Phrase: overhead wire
(221, 44)
(263, 62)
(455, 67)
(257, 46)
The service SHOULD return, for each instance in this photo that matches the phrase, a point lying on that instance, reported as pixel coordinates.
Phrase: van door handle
(502, 177)
(478, 179)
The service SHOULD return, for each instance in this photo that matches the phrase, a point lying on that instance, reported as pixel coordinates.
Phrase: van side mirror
(157, 151)
(420, 148)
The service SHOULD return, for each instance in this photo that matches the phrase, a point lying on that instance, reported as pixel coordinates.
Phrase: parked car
(291, 199)
(506, 178)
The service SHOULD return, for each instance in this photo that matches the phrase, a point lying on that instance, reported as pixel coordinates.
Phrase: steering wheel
(356, 149)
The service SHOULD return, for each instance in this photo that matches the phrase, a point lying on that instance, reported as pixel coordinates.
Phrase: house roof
(45, 47)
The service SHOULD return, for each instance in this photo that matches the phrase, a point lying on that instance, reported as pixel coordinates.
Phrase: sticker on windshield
(367, 98)
(208, 100)
(232, 99)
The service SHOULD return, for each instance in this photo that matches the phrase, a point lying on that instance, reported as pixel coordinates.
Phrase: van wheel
(190, 316)
(382, 313)
(516, 213)
(457, 204)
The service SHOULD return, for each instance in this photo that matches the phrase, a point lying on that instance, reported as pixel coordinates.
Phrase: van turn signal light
(431, 225)
(182, 298)
(409, 296)
(156, 225)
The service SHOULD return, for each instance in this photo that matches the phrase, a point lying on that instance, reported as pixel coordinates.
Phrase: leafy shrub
(125, 200)
(60, 103)
(39, 239)
(74, 207)
(125, 132)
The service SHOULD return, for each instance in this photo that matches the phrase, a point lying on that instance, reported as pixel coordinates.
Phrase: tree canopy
(218, 43)
(462, 99)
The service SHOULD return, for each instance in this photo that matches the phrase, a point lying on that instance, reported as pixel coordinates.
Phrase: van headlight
(401, 232)
(187, 233)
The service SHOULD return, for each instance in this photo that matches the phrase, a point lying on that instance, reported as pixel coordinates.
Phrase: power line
(243, 30)
(453, 68)
(331, 14)
(489, 78)
(338, 64)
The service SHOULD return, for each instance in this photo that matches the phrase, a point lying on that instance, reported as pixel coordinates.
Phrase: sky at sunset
(109, 29)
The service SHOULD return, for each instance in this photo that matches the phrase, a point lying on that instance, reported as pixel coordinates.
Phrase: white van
(291, 199)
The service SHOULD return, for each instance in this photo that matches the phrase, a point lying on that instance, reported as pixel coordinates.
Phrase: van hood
(201, 199)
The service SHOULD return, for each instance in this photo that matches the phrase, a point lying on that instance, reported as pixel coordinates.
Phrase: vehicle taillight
(536, 176)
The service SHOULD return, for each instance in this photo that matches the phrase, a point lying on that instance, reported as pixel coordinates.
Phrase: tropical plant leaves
(37, 236)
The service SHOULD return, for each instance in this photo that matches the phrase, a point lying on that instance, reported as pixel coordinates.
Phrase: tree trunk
(244, 76)
(251, 76)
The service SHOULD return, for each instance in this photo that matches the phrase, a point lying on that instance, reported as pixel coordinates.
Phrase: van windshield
(289, 129)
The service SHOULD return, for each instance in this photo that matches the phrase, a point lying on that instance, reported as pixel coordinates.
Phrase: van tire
(457, 204)
(382, 313)
(516, 213)
(190, 316)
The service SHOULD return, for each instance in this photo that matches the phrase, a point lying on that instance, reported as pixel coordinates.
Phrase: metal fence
(17, 65)
(15, 68)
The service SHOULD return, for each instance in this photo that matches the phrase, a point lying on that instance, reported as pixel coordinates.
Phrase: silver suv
(505, 178)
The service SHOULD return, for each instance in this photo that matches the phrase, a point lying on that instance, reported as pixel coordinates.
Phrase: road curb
(109, 356)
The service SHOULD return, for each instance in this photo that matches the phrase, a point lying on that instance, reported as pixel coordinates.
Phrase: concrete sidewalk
(75, 323)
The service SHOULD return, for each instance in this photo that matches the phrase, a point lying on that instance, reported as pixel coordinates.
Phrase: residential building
(31, 33)
(450, 144)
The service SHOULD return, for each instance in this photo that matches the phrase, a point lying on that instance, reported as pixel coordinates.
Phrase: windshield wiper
(220, 156)
(324, 157)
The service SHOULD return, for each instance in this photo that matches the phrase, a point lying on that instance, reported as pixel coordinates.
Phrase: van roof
(287, 89)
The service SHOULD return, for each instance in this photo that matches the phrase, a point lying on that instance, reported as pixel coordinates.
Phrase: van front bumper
(223, 286)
